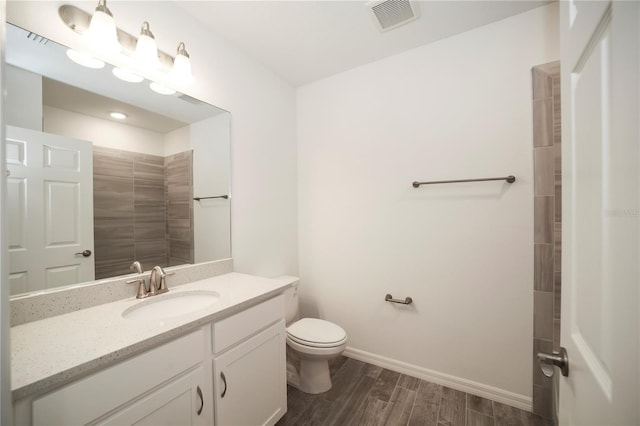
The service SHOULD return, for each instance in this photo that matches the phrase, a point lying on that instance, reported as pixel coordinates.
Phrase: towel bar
(406, 301)
(509, 179)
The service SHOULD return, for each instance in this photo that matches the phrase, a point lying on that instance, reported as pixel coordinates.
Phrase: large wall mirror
(88, 194)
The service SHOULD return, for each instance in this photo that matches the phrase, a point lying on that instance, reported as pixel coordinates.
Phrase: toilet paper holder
(406, 301)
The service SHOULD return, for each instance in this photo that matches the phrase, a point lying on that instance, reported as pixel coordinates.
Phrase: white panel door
(601, 189)
(50, 204)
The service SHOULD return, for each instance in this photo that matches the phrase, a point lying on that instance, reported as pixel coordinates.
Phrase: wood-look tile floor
(364, 394)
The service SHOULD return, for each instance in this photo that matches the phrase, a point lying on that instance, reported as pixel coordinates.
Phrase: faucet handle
(153, 280)
(162, 287)
(142, 288)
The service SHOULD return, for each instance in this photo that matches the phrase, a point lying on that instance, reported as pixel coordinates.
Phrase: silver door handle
(560, 359)
(85, 253)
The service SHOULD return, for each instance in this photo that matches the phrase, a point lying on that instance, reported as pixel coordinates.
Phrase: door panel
(601, 217)
(62, 207)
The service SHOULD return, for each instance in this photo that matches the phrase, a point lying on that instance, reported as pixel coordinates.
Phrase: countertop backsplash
(40, 305)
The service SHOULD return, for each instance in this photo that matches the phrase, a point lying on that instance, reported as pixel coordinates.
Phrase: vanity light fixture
(118, 115)
(102, 34)
(84, 59)
(146, 53)
(136, 56)
(181, 71)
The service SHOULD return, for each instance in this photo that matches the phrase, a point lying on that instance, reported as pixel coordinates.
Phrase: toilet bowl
(311, 343)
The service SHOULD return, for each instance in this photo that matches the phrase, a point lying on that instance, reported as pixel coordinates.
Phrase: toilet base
(308, 376)
(314, 376)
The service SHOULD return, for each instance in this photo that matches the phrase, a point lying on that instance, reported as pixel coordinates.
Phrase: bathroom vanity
(208, 352)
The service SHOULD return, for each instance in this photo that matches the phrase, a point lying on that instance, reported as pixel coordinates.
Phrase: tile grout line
(466, 408)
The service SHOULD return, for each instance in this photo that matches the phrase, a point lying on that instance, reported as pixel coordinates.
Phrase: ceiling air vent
(390, 14)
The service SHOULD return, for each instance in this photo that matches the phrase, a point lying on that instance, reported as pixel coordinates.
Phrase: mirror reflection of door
(50, 204)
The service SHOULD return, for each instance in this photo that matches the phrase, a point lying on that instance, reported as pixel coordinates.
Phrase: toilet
(311, 342)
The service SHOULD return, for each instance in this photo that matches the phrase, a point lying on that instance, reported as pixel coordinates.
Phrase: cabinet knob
(199, 391)
(224, 380)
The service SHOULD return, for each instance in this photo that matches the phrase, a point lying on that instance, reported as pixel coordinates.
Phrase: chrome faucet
(157, 281)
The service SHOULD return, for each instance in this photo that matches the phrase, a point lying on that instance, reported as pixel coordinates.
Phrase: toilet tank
(290, 297)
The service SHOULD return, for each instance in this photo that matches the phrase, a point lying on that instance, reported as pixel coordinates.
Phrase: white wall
(176, 141)
(101, 132)
(24, 98)
(263, 115)
(458, 108)
(209, 140)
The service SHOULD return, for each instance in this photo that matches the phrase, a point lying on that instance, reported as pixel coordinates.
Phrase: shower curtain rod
(509, 179)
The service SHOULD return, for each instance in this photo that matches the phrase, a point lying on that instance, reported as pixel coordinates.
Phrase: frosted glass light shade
(102, 34)
(146, 53)
(127, 75)
(181, 71)
(161, 88)
(84, 59)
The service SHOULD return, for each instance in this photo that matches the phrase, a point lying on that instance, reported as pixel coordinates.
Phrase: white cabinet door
(184, 401)
(250, 380)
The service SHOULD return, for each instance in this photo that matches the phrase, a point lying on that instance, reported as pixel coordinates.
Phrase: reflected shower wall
(139, 212)
(178, 186)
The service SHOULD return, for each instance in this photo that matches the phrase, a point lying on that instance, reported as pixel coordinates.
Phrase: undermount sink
(171, 305)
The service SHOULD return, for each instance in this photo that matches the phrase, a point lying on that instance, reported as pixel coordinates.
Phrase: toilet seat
(316, 333)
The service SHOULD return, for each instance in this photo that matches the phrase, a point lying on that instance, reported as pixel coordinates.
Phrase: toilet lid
(316, 332)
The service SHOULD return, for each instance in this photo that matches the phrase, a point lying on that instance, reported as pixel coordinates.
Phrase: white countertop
(53, 351)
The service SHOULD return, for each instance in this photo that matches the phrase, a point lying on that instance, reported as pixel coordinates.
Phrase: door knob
(559, 359)
(85, 253)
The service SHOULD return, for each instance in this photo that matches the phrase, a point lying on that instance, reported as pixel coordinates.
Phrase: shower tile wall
(130, 211)
(547, 226)
(179, 197)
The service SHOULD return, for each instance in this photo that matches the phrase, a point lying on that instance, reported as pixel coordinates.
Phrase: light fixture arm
(146, 31)
(102, 7)
(182, 50)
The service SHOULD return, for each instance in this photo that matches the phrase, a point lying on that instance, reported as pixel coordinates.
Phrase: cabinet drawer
(94, 396)
(242, 325)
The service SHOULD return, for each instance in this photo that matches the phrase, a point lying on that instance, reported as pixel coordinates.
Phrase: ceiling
(74, 99)
(306, 40)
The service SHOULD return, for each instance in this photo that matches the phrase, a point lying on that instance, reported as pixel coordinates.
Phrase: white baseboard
(499, 395)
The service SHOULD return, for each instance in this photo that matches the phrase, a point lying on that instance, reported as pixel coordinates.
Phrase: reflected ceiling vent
(38, 38)
(390, 14)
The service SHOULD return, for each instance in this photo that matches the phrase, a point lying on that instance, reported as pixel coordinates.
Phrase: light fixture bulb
(118, 115)
(84, 59)
(127, 75)
(161, 88)
(146, 53)
(102, 34)
(181, 71)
